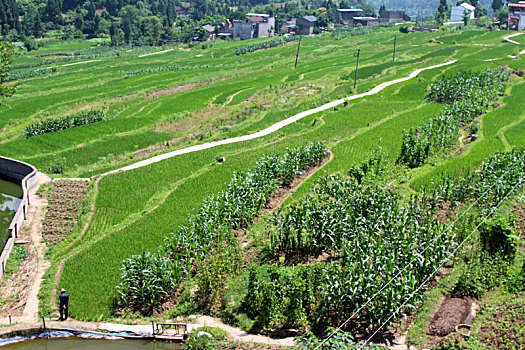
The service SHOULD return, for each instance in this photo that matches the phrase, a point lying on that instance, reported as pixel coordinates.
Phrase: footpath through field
(275, 127)
(508, 38)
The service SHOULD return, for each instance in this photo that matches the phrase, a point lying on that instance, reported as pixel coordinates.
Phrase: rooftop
(257, 15)
(310, 18)
(467, 6)
(349, 10)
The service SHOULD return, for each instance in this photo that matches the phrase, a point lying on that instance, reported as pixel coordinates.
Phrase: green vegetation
(229, 267)
(148, 280)
(18, 254)
(468, 96)
(70, 121)
(264, 45)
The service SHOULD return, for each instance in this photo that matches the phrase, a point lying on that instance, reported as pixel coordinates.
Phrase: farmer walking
(64, 304)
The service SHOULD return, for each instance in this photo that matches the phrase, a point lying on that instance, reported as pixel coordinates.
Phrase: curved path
(275, 127)
(508, 39)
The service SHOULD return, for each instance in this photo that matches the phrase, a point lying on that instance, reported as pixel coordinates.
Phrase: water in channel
(10, 198)
(74, 343)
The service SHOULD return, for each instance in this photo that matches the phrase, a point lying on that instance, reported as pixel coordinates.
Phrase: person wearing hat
(64, 304)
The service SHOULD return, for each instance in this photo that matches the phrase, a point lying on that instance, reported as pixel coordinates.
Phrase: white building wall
(521, 25)
(457, 13)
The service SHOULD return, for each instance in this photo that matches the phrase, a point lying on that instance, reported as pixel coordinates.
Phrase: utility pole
(356, 68)
(298, 47)
(394, 55)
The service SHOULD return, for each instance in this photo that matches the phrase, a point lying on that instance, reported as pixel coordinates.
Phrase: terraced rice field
(220, 95)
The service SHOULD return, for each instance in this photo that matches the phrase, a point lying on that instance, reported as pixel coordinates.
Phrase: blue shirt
(64, 298)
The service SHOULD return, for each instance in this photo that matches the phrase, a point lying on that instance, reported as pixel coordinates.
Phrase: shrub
(498, 237)
(483, 273)
(205, 338)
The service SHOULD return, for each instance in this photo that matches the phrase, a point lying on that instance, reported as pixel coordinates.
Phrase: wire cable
(420, 254)
(440, 266)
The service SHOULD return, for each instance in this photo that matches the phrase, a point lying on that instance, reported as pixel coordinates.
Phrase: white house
(457, 13)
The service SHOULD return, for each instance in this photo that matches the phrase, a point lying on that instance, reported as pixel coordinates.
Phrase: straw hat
(62, 290)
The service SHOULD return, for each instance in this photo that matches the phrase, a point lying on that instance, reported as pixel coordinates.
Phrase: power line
(440, 266)
(420, 254)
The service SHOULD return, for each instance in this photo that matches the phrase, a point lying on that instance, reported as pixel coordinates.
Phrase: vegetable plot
(467, 95)
(372, 238)
(51, 125)
(208, 238)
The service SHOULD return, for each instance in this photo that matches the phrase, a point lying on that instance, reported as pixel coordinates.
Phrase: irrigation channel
(77, 343)
(10, 198)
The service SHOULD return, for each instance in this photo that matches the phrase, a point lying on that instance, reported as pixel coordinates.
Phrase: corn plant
(158, 69)
(56, 124)
(265, 44)
(206, 248)
(147, 280)
(372, 236)
(31, 73)
(467, 95)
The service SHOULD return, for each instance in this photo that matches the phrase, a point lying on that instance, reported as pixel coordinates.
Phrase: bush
(497, 237)
(481, 274)
(405, 28)
(205, 338)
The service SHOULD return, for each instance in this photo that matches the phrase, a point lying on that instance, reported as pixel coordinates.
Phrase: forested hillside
(146, 21)
(419, 8)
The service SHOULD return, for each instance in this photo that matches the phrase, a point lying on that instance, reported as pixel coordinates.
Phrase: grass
(135, 210)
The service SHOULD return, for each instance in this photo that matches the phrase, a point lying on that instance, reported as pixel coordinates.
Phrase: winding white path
(273, 128)
(507, 38)
(155, 53)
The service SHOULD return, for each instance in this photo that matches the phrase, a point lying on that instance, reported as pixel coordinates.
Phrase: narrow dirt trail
(240, 335)
(36, 215)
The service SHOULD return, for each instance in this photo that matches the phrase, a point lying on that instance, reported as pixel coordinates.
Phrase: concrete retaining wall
(25, 175)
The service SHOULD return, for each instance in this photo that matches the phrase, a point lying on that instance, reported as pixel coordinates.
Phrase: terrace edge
(25, 174)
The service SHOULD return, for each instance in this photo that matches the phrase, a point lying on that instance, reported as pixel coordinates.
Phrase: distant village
(259, 25)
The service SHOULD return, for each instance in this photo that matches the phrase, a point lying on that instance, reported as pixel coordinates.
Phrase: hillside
(419, 8)
(221, 179)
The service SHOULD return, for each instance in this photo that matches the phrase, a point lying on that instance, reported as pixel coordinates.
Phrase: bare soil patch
(182, 88)
(452, 312)
(64, 202)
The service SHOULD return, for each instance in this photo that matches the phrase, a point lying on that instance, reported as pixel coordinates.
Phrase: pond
(74, 343)
(10, 198)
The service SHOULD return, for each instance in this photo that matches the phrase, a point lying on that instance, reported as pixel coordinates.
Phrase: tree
(496, 5)
(6, 58)
(442, 12)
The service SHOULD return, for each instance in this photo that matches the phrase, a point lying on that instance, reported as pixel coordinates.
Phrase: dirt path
(33, 225)
(275, 127)
(36, 215)
(156, 53)
(239, 334)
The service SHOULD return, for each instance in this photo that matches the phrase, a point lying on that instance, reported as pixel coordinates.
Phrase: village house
(346, 16)
(306, 25)
(394, 16)
(517, 16)
(365, 21)
(210, 30)
(458, 13)
(254, 26)
(289, 26)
